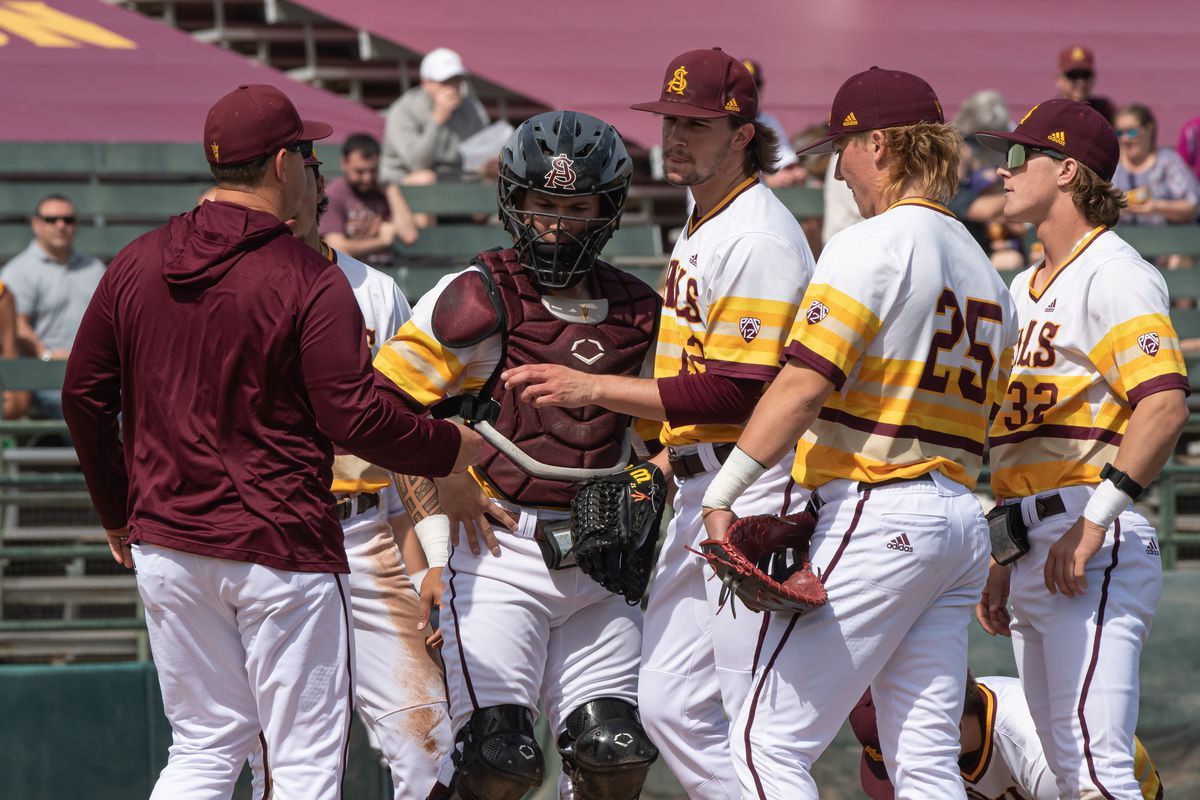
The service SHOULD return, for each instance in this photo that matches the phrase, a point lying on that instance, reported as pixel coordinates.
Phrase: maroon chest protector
(588, 437)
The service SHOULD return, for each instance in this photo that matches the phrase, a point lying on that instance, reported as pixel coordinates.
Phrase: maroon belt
(691, 464)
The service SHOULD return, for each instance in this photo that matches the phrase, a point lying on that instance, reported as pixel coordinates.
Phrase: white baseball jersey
(1096, 340)
(918, 398)
(735, 279)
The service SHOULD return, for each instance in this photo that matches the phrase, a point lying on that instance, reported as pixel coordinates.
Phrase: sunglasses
(1128, 133)
(66, 220)
(1018, 154)
(1080, 75)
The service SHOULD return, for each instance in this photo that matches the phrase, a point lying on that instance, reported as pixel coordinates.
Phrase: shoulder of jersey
(467, 310)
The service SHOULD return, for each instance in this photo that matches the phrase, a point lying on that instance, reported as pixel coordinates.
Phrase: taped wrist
(1105, 504)
(736, 475)
(434, 533)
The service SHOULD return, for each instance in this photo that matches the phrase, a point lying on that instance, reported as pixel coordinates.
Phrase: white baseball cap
(441, 64)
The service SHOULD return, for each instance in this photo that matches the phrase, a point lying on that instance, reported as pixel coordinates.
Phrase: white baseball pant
(1078, 656)
(904, 565)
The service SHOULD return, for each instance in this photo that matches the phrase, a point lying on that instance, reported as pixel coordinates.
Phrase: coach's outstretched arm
(786, 411)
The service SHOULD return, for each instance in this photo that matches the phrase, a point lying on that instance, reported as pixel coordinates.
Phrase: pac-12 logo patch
(561, 174)
(749, 326)
(816, 312)
(1149, 343)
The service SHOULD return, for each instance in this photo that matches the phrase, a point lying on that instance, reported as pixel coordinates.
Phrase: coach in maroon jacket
(236, 356)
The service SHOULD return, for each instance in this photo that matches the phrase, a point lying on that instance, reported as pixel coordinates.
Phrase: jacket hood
(207, 242)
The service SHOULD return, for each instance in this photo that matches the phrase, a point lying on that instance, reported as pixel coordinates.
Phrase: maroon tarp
(601, 56)
(82, 70)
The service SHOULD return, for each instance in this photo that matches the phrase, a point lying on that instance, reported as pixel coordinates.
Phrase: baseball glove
(753, 562)
(614, 528)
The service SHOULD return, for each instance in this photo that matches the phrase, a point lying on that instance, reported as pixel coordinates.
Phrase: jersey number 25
(935, 378)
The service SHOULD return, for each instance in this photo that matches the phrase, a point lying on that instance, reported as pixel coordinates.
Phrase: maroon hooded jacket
(235, 355)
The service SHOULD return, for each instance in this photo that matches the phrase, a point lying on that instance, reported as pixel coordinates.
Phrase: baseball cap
(311, 159)
(252, 121)
(878, 98)
(705, 84)
(1074, 129)
(872, 772)
(755, 71)
(1076, 57)
(441, 64)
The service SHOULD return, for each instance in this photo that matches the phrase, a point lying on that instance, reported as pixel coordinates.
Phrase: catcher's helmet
(566, 154)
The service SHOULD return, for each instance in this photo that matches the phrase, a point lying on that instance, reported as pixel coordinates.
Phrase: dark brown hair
(247, 175)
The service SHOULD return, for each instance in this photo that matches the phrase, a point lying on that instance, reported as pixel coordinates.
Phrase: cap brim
(822, 145)
(1000, 140)
(312, 131)
(874, 778)
(671, 109)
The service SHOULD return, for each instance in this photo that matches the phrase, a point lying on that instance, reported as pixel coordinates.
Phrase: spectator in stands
(1189, 144)
(52, 284)
(361, 222)
(15, 404)
(1160, 187)
(426, 125)
(1077, 76)
(791, 171)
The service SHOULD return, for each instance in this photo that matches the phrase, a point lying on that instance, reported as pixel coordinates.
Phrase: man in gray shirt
(52, 284)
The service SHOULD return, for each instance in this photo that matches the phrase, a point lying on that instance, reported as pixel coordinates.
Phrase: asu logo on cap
(561, 174)
(678, 82)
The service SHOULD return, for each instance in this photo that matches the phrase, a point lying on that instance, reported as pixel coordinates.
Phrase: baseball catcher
(764, 561)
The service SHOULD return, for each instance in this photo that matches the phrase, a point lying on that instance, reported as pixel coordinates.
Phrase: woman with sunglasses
(1160, 187)
(1094, 407)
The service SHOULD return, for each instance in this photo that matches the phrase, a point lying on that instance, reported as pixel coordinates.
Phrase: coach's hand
(1066, 563)
(118, 543)
(431, 594)
(551, 385)
(992, 611)
(469, 450)
(467, 506)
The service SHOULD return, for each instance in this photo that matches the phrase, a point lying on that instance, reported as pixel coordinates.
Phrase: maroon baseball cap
(1075, 57)
(253, 121)
(878, 98)
(1074, 129)
(872, 771)
(311, 159)
(705, 84)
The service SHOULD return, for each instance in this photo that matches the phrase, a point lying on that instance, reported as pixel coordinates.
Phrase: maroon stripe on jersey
(795, 351)
(915, 432)
(1160, 384)
(350, 689)
(734, 369)
(1059, 432)
(762, 681)
(1091, 670)
(462, 650)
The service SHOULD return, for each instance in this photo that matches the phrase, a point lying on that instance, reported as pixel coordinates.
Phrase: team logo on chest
(749, 327)
(589, 351)
(816, 312)
(1149, 343)
(561, 174)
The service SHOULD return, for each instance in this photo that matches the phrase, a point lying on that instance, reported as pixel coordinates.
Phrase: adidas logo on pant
(1152, 548)
(900, 543)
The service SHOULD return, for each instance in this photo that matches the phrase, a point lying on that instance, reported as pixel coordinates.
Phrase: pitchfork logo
(816, 312)
(749, 326)
(1149, 344)
(561, 176)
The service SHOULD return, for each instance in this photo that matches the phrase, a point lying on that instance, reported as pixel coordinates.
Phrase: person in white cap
(426, 124)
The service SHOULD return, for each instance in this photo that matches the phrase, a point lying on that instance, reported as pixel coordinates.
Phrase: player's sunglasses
(66, 220)
(1019, 153)
(1080, 75)
(1128, 133)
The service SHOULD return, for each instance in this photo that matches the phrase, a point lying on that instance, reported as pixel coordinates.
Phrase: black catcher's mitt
(614, 528)
(764, 561)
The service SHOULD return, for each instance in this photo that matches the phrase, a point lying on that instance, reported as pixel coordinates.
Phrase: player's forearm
(419, 495)
(637, 397)
(789, 407)
(1151, 435)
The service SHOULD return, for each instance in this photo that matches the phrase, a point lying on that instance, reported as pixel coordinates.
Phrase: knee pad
(495, 755)
(605, 751)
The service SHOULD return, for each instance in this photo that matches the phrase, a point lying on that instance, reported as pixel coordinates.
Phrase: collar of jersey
(1076, 251)
(973, 772)
(328, 251)
(694, 224)
(924, 202)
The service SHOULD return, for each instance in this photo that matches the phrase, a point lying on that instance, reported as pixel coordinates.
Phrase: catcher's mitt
(614, 528)
(753, 562)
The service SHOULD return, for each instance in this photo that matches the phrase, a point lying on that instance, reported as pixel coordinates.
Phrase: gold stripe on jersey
(694, 223)
(1076, 251)
(844, 329)
(732, 319)
(977, 771)
(816, 465)
(1145, 772)
(1127, 360)
(419, 364)
(353, 475)
(923, 202)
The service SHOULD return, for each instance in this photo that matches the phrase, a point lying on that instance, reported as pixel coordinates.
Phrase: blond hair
(923, 159)
(1098, 200)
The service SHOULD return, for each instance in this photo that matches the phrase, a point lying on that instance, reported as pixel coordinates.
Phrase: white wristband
(736, 475)
(1106, 504)
(434, 533)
